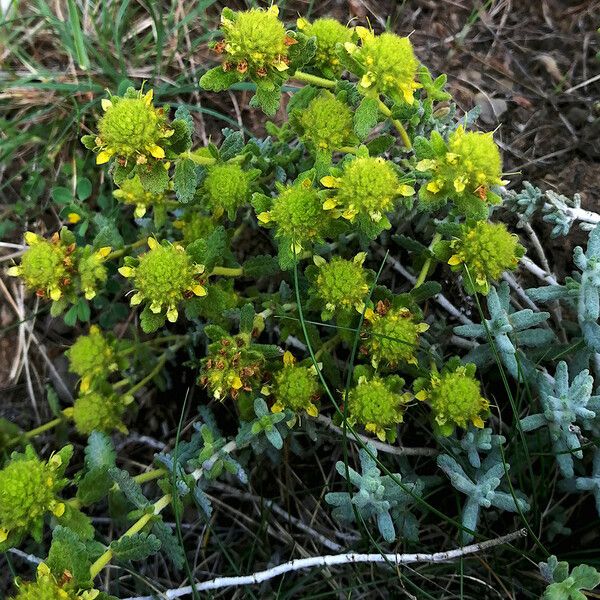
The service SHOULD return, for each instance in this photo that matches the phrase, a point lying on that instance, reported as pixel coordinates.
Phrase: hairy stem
(227, 271)
(125, 249)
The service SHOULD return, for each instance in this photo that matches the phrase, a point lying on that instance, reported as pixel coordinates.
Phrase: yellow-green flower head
(46, 266)
(100, 410)
(485, 250)
(328, 33)
(226, 188)
(340, 284)
(29, 489)
(91, 356)
(389, 64)
(131, 191)
(91, 269)
(194, 226)
(470, 165)
(326, 123)
(164, 277)
(231, 367)
(454, 396)
(296, 388)
(298, 215)
(367, 188)
(254, 42)
(47, 587)
(393, 336)
(378, 403)
(132, 129)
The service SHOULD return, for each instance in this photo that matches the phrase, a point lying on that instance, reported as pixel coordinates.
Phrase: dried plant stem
(333, 560)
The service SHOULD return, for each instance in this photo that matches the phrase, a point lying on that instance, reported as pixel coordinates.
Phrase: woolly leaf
(154, 177)
(366, 117)
(135, 547)
(267, 99)
(261, 266)
(130, 488)
(69, 553)
(185, 180)
(170, 545)
(217, 80)
(150, 321)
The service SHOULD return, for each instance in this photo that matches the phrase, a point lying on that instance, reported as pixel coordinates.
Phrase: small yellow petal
(422, 395)
(281, 66)
(136, 299)
(236, 384)
(454, 260)
(264, 217)
(104, 251)
(90, 294)
(156, 307)
(459, 185)
(14, 271)
(350, 47)
(73, 218)
(55, 294)
(330, 182)
(156, 151)
(140, 211)
(312, 410)
(152, 243)
(148, 97)
(273, 9)
(478, 422)
(302, 23)
(329, 204)
(426, 165)
(59, 510)
(406, 190)
(127, 271)
(172, 314)
(30, 238)
(277, 407)
(319, 260)
(199, 290)
(106, 104)
(434, 187)
(3, 534)
(288, 359)
(103, 157)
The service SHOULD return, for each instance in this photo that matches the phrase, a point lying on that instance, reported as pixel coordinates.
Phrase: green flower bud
(339, 285)
(91, 270)
(254, 42)
(47, 587)
(393, 336)
(367, 189)
(378, 403)
(485, 250)
(454, 396)
(132, 129)
(462, 170)
(231, 367)
(326, 123)
(46, 266)
(91, 356)
(298, 215)
(226, 188)
(100, 411)
(29, 489)
(296, 388)
(131, 191)
(164, 277)
(329, 33)
(389, 64)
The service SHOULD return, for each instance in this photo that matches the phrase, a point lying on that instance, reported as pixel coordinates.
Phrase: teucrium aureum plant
(263, 263)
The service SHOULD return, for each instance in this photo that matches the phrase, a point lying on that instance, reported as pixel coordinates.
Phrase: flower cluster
(48, 587)
(231, 367)
(57, 269)
(29, 489)
(100, 409)
(326, 124)
(339, 285)
(454, 396)
(393, 336)
(92, 357)
(464, 170)
(164, 277)
(388, 65)
(254, 42)
(330, 37)
(131, 129)
(365, 191)
(296, 388)
(226, 188)
(485, 251)
(131, 191)
(378, 403)
(297, 215)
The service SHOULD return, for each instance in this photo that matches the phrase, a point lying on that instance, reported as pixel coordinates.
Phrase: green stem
(106, 557)
(125, 249)
(396, 123)
(227, 271)
(149, 475)
(348, 149)
(425, 268)
(328, 345)
(142, 382)
(28, 435)
(314, 80)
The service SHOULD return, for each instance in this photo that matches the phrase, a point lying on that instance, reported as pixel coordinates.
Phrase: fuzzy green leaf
(150, 321)
(135, 547)
(169, 543)
(366, 117)
(261, 266)
(130, 488)
(267, 99)
(185, 180)
(69, 553)
(154, 177)
(217, 80)
(77, 522)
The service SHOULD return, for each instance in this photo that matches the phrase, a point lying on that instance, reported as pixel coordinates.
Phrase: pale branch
(333, 560)
(380, 446)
